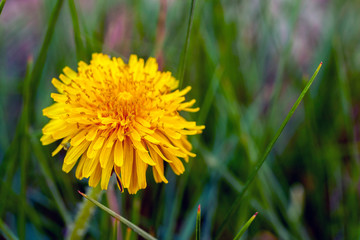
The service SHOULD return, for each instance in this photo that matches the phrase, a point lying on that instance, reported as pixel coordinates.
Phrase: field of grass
(247, 62)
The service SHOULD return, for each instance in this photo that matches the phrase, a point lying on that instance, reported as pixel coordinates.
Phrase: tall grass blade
(120, 218)
(245, 227)
(198, 222)
(2, 4)
(181, 70)
(115, 227)
(261, 161)
(77, 33)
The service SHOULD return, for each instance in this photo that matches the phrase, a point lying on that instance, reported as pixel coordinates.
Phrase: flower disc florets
(121, 118)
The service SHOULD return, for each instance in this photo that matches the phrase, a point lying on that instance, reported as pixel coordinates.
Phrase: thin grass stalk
(45, 169)
(198, 223)
(79, 228)
(115, 227)
(8, 234)
(2, 4)
(245, 227)
(261, 161)
(183, 59)
(77, 33)
(120, 218)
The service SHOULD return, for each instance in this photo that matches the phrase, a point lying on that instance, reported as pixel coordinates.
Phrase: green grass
(247, 63)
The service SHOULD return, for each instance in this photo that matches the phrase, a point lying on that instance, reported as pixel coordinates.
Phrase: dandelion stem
(78, 230)
(261, 161)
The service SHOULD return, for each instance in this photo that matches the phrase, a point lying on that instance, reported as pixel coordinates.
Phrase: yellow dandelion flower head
(120, 118)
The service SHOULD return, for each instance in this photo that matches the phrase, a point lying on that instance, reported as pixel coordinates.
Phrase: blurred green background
(247, 62)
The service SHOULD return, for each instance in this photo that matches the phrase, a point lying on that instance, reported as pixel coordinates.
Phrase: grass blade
(115, 227)
(245, 227)
(76, 28)
(198, 222)
(2, 4)
(120, 218)
(186, 46)
(261, 161)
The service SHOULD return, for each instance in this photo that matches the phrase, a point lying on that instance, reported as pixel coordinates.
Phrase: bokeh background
(247, 62)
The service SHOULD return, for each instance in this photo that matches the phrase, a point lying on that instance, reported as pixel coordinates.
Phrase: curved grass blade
(120, 218)
(198, 222)
(245, 227)
(2, 4)
(186, 46)
(261, 161)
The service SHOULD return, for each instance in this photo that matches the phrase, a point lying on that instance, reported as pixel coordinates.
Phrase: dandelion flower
(120, 118)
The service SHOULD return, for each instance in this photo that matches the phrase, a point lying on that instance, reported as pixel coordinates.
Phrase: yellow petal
(119, 153)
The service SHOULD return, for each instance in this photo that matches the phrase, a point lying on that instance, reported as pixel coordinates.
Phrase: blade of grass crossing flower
(8, 234)
(76, 28)
(245, 227)
(2, 4)
(36, 147)
(261, 161)
(186, 46)
(78, 229)
(120, 218)
(198, 222)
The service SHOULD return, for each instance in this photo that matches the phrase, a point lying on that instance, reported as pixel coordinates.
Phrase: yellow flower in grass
(120, 118)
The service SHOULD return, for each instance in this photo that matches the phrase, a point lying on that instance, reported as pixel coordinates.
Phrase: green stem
(261, 161)
(78, 229)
